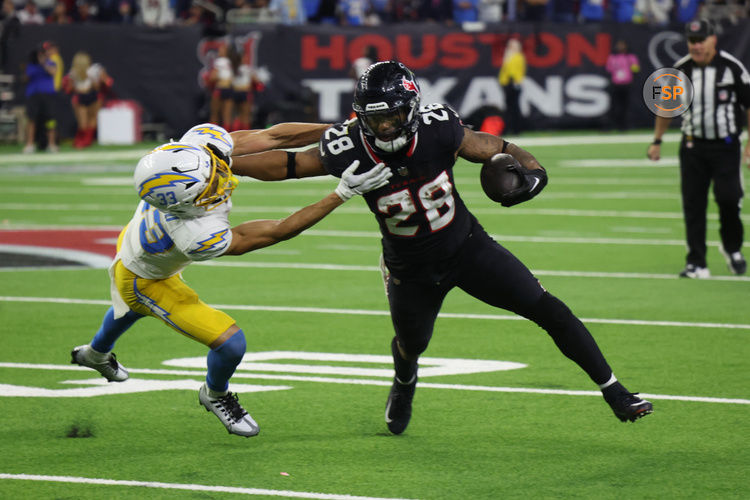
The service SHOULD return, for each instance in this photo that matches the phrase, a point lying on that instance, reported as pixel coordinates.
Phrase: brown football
(496, 179)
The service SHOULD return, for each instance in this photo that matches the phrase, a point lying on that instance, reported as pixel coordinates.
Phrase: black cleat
(626, 405)
(735, 261)
(398, 407)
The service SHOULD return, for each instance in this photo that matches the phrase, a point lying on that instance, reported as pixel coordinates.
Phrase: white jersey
(157, 245)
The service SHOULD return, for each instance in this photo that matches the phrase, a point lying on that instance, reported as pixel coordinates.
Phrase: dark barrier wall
(156, 67)
(567, 85)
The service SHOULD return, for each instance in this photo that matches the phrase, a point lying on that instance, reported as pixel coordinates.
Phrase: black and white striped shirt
(721, 94)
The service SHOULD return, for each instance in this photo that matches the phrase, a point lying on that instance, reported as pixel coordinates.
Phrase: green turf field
(606, 236)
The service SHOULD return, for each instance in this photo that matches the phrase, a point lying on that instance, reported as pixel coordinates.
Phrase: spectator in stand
(289, 11)
(687, 10)
(83, 85)
(30, 14)
(440, 11)
(197, 14)
(592, 11)
(465, 11)
(653, 12)
(621, 65)
(563, 11)
(222, 97)
(40, 100)
(115, 11)
(534, 10)
(407, 11)
(326, 13)
(354, 12)
(155, 13)
(59, 14)
(85, 12)
(623, 11)
(512, 74)
(491, 11)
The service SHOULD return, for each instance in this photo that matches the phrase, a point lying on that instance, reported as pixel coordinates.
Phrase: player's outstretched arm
(257, 234)
(280, 136)
(279, 165)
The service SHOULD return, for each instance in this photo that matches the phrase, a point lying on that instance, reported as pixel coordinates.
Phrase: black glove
(534, 182)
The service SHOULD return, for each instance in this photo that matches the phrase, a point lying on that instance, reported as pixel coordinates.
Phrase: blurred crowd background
(215, 15)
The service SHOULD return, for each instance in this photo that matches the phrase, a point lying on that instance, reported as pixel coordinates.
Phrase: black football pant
(489, 272)
(700, 164)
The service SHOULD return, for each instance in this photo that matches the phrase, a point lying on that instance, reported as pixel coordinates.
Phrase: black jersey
(721, 96)
(422, 218)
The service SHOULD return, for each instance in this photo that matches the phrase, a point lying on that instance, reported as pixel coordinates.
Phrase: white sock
(96, 356)
(215, 394)
(609, 382)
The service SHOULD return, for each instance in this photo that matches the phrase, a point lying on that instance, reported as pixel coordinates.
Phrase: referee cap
(700, 28)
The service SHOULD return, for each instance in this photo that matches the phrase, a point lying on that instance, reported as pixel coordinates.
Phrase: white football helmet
(184, 180)
(208, 133)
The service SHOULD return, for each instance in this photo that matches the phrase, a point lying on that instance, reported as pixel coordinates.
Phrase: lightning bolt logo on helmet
(208, 133)
(184, 180)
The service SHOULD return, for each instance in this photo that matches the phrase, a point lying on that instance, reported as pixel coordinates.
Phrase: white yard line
(186, 487)
(536, 272)
(373, 312)
(373, 382)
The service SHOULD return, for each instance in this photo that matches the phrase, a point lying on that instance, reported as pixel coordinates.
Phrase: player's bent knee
(233, 349)
(551, 313)
(411, 350)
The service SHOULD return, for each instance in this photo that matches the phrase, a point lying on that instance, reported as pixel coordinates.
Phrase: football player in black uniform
(431, 242)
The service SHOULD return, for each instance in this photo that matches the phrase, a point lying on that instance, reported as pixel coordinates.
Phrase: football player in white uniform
(185, 189)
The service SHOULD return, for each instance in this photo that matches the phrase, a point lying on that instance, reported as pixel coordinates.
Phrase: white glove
(352, 184)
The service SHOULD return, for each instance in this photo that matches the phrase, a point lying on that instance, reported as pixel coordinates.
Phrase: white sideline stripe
(523, 239)
(381, 383)
(535, 272)
(671, 161)
(188, 487)
(594, 138)
(372, 312)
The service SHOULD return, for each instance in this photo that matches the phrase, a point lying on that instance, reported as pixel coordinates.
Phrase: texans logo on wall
(59, 248)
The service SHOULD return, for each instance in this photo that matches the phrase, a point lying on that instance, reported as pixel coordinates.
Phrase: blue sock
(112, 328)
(223, 360)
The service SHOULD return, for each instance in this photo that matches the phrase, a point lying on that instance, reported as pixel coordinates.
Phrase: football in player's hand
(497, 179)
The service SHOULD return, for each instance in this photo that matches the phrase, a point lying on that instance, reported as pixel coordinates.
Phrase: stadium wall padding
(306, 68)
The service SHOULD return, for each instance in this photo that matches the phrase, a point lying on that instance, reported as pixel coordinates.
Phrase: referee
(710, 147)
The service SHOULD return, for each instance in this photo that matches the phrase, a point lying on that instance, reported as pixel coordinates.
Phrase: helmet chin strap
(392, 146)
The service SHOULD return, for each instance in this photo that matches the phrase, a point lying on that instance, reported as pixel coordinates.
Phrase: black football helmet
(386, 101)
